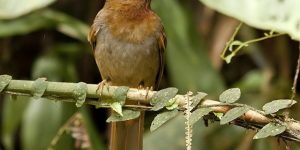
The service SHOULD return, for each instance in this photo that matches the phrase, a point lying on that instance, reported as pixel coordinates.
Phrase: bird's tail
(127, 135)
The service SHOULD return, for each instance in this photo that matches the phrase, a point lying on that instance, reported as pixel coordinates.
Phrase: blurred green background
(47, 38)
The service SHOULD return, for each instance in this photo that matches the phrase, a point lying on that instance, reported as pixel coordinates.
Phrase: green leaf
(127, 115)
(186, 74)
(218, 115)
(44, 19)
(271, 129)
(197, 99)
(120, 94)
(173, 106)
(14, 8)
(105, 101)
(4, 81)
(12, 113)
(233, 114)
(230, 95)
(161, 98)
(162, 118)
(171, 101)
(117, 107)
(117, 101)
(199, 113)
(79, 93)
(69, 25)
(39, 87)
(286, 20)
(276, 105)
(41, 119)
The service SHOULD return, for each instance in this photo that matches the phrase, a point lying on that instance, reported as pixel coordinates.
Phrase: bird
(129, 41)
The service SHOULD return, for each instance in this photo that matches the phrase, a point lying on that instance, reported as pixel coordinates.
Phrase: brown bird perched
(129, 42)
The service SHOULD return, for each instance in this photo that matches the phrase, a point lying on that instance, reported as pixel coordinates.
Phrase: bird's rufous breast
(135, 27)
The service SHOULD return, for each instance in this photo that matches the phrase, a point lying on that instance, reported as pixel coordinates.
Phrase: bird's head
(127, 4)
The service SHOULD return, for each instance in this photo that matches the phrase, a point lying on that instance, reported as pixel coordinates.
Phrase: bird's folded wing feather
(161, 43)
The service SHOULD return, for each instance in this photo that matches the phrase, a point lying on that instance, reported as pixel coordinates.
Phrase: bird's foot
(141, 87)
(101, 86)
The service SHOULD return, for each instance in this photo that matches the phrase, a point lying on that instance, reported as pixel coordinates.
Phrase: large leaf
(277, 15)
(44, 19)
(13, 111)
(271, 129)
(230, 95)
(58, 64)
(42, 119)
(187, 61)
(14, 8)
(233, 114)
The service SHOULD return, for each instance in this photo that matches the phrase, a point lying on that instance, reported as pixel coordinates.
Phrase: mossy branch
(61, 91)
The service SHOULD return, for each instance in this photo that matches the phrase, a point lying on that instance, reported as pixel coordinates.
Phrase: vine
(229, 48)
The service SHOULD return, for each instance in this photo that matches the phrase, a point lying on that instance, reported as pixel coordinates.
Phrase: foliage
(255, 14)
(21, 7)
(41, 40)
(276, 126)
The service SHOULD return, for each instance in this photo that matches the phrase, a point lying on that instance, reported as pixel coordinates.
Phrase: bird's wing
(95, 28)
(161, 44)
(92, 37)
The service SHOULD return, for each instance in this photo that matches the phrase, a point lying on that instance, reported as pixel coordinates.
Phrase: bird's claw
(101, 86)
(147, 90)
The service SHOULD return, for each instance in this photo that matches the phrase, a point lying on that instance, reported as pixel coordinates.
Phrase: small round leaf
(161, 98)
(117, 107)
(198, 114)
(127, 115)
(4, 81)
(271, 129)
(276, 105)
(230, 95)
(39, 87)
(79, 93)
(120, 94)
(233, 114)
(162, 118)
(197, 99)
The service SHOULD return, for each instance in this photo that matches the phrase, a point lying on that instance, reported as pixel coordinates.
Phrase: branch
(61, 91)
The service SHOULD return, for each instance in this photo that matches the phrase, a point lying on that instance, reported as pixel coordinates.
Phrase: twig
(296, 76)
(243, 44)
